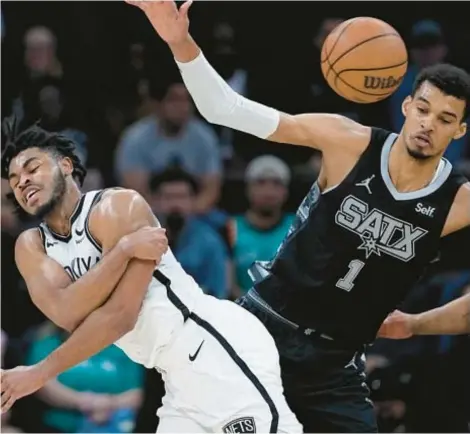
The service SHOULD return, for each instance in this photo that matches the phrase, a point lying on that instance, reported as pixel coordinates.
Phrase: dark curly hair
(37, 137)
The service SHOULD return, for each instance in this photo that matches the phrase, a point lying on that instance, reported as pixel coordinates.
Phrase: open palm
(171, 23)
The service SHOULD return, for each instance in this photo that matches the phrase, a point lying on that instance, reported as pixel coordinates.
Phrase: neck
(408, 173)
(59, 218)
(169, 129)
(261, 221)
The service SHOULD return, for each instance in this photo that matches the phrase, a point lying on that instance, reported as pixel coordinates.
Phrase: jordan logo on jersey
(380, 232)
(79, 266)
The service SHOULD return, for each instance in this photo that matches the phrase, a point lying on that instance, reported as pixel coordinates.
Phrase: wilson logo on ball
(371, 82)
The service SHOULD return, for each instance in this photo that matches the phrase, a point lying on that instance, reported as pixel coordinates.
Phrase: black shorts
(324, 382)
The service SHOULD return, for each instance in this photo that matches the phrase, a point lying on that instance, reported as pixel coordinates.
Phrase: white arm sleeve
(219, 104)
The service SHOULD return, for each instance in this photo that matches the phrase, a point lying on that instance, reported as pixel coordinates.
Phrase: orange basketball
(364, 60)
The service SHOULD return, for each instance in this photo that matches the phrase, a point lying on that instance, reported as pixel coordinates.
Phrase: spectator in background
(196, 244)
(427, 47)
(140, 79)
(56, 115)
(40, 55)
(40, 61)
(258, 233)
(103, 391)
(171, 136)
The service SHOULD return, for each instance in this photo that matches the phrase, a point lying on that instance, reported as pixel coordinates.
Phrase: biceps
(318, 130)
(45, 280)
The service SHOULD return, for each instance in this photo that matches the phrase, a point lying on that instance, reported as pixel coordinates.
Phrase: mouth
(30, 195)
(423, 139)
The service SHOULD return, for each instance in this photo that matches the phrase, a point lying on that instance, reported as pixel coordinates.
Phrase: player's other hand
(19, 382)
(147, 243)
(398, 325)
(171, 23)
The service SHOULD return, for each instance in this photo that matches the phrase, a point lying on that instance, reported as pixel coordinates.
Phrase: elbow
(218, 113)
(67, 325)
(68, 322)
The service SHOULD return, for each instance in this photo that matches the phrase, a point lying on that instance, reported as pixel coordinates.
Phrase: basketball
(364, 60)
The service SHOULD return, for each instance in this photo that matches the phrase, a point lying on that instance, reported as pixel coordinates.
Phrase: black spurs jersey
(355, 250)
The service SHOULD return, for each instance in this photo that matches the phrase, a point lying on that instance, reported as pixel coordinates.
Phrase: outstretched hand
(398, 325)
(171, 23)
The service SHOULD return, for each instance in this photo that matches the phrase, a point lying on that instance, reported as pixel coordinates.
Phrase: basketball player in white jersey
(100, 267)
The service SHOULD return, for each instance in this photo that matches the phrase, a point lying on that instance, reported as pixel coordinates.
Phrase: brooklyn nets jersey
(355, 250)
(160, 316)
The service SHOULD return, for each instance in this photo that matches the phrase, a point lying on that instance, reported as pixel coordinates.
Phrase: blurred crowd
(226, 199)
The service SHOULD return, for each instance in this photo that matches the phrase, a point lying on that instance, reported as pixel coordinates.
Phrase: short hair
(173, 174)
(37, 137)
(449, 79)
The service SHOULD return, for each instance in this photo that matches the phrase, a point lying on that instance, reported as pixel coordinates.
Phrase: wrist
(185, 50)
(44, 371)
(125, 247)
(415, 323)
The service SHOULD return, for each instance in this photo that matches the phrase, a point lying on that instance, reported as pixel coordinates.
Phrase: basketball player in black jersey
(363, 235)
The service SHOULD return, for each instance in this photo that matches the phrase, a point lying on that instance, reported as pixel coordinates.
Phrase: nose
(24, 181)
(427, 123)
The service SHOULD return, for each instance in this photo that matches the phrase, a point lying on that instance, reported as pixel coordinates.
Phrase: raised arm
(68, 303)
(219, 104)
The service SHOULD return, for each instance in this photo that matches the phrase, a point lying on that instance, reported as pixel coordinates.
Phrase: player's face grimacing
(37, 180)
(433, 120)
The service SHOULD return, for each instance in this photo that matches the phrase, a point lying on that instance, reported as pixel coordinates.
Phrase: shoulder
(202, 129)
(208, 233)
(463, 197)
(238, 223)
(459, 215)
(289, 218)
(118, 202)
(29, 239)
(120, 210)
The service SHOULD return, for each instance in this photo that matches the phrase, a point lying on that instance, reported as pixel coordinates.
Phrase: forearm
(215, 99)
(452, 318)
(89, 292)
(129, 399)
(58, 395)
(105, 325)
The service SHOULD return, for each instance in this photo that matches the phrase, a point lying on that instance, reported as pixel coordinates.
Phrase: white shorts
(222, 374)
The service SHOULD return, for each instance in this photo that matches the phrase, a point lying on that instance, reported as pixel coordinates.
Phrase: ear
(66, 166)
(405, 106)
(461, 131)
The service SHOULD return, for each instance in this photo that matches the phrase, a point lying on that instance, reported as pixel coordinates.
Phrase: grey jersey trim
(409, 195)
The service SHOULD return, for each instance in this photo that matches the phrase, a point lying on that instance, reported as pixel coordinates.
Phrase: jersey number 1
(347, 282)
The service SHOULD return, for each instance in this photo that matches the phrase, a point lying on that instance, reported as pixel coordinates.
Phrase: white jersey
(164, 308)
